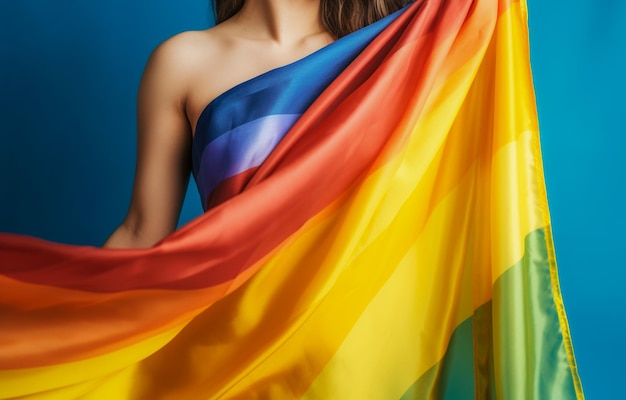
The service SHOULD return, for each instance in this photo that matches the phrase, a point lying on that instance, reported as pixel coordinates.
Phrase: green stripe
(453, 378)
(516, 338)
(483, 363)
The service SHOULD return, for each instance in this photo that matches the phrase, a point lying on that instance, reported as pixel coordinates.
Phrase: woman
(188, 71)
(376, 224)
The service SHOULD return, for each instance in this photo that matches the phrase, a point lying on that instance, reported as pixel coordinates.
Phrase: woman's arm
(163, 150)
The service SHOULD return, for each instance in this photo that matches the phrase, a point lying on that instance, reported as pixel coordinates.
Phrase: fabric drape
(376, 227)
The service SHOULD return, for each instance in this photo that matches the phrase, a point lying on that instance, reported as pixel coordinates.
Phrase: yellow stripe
(516, 202)
(517, 195)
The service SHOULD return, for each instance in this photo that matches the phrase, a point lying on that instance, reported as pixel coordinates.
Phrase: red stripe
(229, 188)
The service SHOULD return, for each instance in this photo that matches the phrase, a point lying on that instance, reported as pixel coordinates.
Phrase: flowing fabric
(376, 227)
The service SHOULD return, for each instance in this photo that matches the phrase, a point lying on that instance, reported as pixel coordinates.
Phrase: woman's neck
(281, 21)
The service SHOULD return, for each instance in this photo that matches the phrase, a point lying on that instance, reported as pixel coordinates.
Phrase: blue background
(69, 71)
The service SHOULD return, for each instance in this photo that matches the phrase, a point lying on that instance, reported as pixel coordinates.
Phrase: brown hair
(340, 17)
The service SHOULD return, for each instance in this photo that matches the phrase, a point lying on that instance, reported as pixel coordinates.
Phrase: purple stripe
(240, 149)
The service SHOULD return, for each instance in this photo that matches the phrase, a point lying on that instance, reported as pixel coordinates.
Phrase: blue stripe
(240, 149)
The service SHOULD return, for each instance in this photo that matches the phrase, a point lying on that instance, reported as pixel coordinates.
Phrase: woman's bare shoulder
(184, 67)
(187, 49)
(198, 66)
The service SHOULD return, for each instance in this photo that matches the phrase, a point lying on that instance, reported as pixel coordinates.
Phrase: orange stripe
(43, 325)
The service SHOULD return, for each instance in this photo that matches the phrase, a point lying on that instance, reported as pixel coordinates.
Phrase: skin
(181, 77)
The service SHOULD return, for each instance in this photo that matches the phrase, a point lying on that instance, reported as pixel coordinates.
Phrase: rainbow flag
(376, 228)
